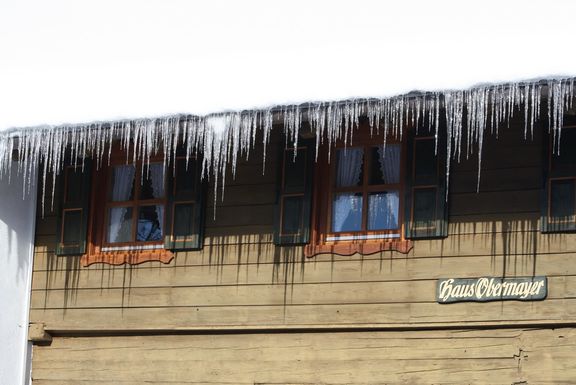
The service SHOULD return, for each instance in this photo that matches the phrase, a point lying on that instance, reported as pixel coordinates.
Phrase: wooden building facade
(248, 306)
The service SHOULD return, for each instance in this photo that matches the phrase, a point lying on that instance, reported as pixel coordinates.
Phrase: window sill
(364, 248)
(131, 257)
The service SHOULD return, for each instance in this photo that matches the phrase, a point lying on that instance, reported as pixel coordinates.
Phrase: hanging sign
(449, 290)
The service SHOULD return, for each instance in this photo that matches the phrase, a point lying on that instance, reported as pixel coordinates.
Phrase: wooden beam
(38, 335)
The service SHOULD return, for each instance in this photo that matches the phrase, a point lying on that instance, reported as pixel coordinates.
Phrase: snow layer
(233, 67)
(66, 62)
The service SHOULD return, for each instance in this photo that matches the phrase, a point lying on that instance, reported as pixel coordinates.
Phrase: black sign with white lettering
(449, 290)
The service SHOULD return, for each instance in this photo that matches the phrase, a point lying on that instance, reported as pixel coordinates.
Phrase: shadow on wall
(516, 241)
(492, 233)
(241, 260)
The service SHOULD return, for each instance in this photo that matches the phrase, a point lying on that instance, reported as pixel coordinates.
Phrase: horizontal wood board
(499, 356)
(241, 279)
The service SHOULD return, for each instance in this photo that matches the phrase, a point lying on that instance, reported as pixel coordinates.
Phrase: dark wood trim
(330, 328)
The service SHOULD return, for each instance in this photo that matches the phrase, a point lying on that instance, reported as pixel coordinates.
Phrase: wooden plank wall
(460, 357)
(240, 280)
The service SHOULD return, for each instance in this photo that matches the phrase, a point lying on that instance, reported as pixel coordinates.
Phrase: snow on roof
(214, 72)
(64, 62)
(223, 138)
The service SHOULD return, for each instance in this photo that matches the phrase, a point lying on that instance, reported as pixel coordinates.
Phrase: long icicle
(222, 138)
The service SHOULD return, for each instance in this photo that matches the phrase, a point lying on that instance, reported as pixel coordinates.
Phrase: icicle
(221, 138)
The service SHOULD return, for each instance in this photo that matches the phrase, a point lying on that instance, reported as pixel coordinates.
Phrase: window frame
(550, 176)
(413, 187)
(438, 228)
(362, 242)
(365, 234)
(135, 204)
(286, 156)
(98, 249)
(86, 232)
(64, 248)
(174, 198)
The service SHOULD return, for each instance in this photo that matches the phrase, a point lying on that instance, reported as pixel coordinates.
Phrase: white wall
(17, 223)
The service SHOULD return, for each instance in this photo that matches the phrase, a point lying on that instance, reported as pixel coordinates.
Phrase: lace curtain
(389, 159)
(383, 206)
(349, 166)
(157, 178)
(347, 209)
(151, 218)
(121, 188)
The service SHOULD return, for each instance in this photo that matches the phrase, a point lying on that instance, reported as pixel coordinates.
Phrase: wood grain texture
(518, 243)
(242, 303)
(319, 271)
(421, 357)
(327, 293)
(304, 315)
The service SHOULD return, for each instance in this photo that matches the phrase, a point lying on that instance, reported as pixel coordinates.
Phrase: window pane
(152, 181)
(122, 183)
(566, 161)
(185, 177)
(72, 223)
(385, 164)
(562, 200)
(150, 223)
(424, 208)
(183, 220)
(120, 225)
(383, 210)
(292, 215)
(347, 212)
(349, 163)
(425, 162)
(294, 171)
(73, 184)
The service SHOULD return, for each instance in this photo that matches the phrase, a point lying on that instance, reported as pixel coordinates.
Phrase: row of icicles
(223, 138)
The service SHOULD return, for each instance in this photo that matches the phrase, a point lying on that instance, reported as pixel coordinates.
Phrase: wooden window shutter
(294, 195)
(426, 206)
(558, 207)
(72, 227)
(184, 206)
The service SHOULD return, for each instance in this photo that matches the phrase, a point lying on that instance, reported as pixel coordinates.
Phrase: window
(365, 193)
(74, 207)
(368, 198)
(133, 212)
(559, 197)
(426, 195)
(135, 204)
(295, 193)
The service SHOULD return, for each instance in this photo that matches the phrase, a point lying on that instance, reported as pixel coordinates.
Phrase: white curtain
(383, 211)
(157, 177)
(349, 166)
(347, 208)
(121, 189)
(389, 158)
(347, 212)
(160, 212)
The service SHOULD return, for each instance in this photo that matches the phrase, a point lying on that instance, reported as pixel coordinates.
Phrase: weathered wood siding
(240, 281)
(425, 357)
